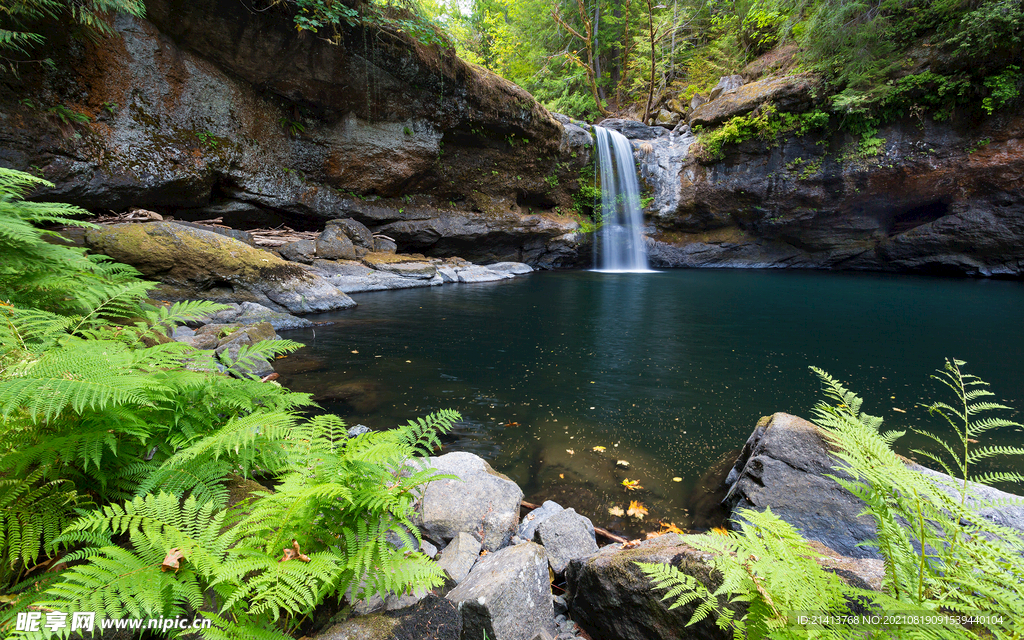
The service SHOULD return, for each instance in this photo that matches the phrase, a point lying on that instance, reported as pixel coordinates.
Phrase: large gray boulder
(612, 599)
(194, 263)
(479, 501)
(515, 268)
(566, 536)
(784, 464)
(356, 231)
(334, 244)
(507, 595)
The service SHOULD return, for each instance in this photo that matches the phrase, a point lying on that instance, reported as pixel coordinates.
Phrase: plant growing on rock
(942, 556)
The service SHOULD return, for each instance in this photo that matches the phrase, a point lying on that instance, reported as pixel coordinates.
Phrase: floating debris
(571, 452)
(616, 511)
(599, 449)
(631, 485)
(622, 463)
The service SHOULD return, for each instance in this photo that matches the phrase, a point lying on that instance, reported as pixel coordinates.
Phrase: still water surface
(667, 371)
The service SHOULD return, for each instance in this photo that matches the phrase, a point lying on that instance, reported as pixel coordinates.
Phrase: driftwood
(598, 530)
(279, 236)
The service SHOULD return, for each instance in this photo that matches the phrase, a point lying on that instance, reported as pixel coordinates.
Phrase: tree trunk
(650, 89)
(597, 50)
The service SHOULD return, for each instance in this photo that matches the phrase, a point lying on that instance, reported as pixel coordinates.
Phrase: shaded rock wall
(210, 109)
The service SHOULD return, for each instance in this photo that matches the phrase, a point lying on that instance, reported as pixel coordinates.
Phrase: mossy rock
(194, 263)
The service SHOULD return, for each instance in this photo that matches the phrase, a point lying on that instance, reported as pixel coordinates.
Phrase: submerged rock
(193, 263)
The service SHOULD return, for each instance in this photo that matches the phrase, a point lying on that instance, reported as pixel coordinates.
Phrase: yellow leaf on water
(636, 510)
(677, 479)
(622, 463)
(631, 485)
(570, 452)
(599, 449)
(616, 511)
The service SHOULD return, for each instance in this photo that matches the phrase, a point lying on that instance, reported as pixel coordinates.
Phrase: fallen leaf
(631, 485)
(616, 511)
(172, 561)
(354, 351)
(630, 544)
(562, 476)
(622, 463)
(677, 479)
(670, 527)
(636, 510)
(599, 449)
(722, 531)
(293, 553)
(571, 452)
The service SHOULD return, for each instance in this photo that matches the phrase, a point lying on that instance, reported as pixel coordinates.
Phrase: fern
(940, 553)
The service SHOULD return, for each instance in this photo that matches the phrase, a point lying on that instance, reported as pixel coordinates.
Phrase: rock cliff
(212, 109)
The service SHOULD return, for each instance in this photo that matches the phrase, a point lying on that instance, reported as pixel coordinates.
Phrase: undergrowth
(117, 445)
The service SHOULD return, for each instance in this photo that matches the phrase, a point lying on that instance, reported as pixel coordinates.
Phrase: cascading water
(618, 245)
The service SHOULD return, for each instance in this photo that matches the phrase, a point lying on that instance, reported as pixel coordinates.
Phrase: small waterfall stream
(618, 246)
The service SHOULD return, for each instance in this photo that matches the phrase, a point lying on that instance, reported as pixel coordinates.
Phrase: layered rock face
(945, 198)
(209, 109)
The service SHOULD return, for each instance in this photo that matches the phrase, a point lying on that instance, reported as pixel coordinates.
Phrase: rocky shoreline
(521, 574)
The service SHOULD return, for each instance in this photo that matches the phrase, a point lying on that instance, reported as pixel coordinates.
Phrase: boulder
(432, 618)
(355, 277)
(251, 313)
(790, 93)
(783, 466)
(532, 520)
(383, 244)
(480, 274)
(726, 83)
(666, 119)
(566, 536)
(459, 556)
(507, 596)
(334, 244)
(479, 501)
(252, 367)
(696, 101)
(356, 232)
(193, 263)
(612, 599)
(248, 335)
(298, 251)
(633, 130)
(415, 270)
(515, 268)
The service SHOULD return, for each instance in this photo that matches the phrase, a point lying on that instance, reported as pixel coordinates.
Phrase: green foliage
(16, 41)
(765, 124)
(941, 554)
(330, 16)
(116, 445)
(208, 139)
(293, 127)
(1005, 87)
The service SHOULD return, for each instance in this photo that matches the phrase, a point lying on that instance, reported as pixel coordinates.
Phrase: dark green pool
(668, 372)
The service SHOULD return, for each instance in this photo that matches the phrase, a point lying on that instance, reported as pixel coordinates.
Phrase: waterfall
(618, 246)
